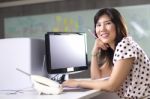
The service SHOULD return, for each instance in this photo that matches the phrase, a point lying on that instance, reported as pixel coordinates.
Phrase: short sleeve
(124, 49)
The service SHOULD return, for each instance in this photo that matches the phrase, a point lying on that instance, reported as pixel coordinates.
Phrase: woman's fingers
(102, 45)
(98, 46)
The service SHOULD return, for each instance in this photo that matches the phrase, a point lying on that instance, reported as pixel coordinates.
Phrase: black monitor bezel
(47, 52)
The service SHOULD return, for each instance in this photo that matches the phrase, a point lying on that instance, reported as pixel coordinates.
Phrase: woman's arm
(99, 72)
(96, 71)
(94, 68)
(119, 73)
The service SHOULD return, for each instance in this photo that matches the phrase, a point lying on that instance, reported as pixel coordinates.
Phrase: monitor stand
(60, 78)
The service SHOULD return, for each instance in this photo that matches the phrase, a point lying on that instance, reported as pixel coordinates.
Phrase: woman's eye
(98, 25)
(108, 23)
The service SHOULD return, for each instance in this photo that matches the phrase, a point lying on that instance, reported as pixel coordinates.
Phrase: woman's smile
(105, 35)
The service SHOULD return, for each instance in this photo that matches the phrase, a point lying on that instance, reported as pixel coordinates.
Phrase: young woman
(118, 56)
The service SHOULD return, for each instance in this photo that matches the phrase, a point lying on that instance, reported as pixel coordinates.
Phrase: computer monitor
(66, 52)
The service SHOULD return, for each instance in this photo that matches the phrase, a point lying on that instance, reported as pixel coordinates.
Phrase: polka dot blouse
(137, 83)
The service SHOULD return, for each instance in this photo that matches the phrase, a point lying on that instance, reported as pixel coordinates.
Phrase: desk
(78, 93)
(69, 94)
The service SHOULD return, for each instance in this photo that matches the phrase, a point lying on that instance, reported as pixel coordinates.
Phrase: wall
(61, 6)
(77, 9)
(36, 26)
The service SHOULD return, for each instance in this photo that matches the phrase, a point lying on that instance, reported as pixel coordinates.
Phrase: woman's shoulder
(126, 41)
(125, 49)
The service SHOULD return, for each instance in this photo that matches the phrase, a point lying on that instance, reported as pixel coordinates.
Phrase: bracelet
(94, 54)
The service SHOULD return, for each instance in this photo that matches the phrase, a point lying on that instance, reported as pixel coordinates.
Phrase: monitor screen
(66, 52)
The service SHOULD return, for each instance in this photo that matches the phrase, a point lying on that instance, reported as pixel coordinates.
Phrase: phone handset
(46, 86)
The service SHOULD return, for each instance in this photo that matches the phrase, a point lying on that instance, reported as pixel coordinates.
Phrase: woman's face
(105, 30)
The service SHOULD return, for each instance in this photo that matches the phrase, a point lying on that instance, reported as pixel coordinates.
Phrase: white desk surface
(69, 94)
(66, 94)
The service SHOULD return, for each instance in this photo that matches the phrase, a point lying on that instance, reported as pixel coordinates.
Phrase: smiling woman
(117, 55)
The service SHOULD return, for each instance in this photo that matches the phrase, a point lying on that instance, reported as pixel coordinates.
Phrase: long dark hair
(121, 31)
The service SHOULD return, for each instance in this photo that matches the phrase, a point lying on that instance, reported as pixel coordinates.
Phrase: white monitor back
(23, 53)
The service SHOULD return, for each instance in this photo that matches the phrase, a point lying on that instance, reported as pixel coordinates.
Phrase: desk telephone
(46, 86)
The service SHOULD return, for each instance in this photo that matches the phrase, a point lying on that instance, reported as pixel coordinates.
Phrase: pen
(92, 33)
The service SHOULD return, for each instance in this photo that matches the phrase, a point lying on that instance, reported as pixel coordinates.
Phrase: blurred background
(33, 18)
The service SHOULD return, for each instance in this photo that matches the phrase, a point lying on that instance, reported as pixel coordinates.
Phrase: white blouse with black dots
(137, 83)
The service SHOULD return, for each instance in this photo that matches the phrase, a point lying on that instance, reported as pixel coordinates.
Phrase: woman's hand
(70, 83)
(99, 45)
